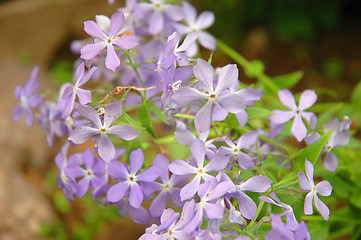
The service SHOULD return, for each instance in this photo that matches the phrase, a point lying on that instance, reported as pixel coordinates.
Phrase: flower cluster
(215, 190)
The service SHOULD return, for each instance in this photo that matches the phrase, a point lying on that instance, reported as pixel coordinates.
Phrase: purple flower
(128, 178)
(244, 160)
(167, 187)
(101, 129)
(281, 231)
(204, 21)
(28, 98)
(229, 102)
(93, 176)
(292, 223)
(155, 14)
(103, 40)
(180, 167)
(323, 188)
(71, 91)
(179, 51)
(339, 137)
(246, 205)
(307, 99)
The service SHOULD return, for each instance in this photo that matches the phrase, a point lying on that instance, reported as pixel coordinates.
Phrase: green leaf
(130, 120)
(210, 58)
(257, 112)
(311, 152)
(288, 80)
(254, 68)
(356, 199)
(356, 94)
(144, 118)
(157, 112)
(319, 231)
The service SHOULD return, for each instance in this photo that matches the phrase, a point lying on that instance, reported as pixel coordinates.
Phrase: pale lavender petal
(85, 78)
(184, 136)
(231, 102)
(311, 118)
(341, 139)
(198, 150)
(287, 99)
(17, 92)
(141, 9)
(112, 112)
(116, 23)
(304, 183)
(245, 161)
(117, 170)
(111, 60)
(93, 30)
(190, 13)
(140, 215)
(298, 129)
(227, 77)
(195, 222)
(312, 138)
(84, 96)
(83, 187)
(218, 113)
(156, 22)
(91, 114)
(220, 190)
(135, 196)
(333, 124)
(103, 22)
(218, 163)
(188, 95)
(106, 148)
(82, 134)
(180, 167)
(301, 231)
(247, 206)
(74, 171)
(257, 184)
(322, 208)
(190, 189)
(242, 117)
(203, 71)
(202, 120)
(324, 188)
(136, 160)
(149, 175)
(90, 51)
(126, 42)
(280, 116)
(34, 100)
(174, 12)
(309, 171)
(17, 113)
(69, 106)
(308, 203)
(205, 20)
(123, 131)
(116, 192)
(307, 99)
(213, 210)
(180, 28)
(206, 40)
(158, 205)
(188, 41)
(79, 72)
(29, 117)
(247, 139)
(330, 162)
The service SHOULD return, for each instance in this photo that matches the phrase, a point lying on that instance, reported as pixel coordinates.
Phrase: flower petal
(330, 162)
(116, 192)
(135, 196)
(287, 99)
(90, 51)
(298, 129)
(307, 99)
(124, 131)
(203, 71)
(257, 184)
(111, 60)
(322, 208)
(82, 134)
(324, 188)
(136, 159)
(308, 203)
(180, 167)
(112, 112)
(91, 28)
(116, 23)
(190, 189)
(126, 42)
(106, 148)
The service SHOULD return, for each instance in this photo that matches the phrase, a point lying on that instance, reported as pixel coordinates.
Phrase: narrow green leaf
(257, 112)
(210, 58)
(311, 152)
(130, 120)
(144, 118)
(288, 80)
(157, 112)
(356, 94)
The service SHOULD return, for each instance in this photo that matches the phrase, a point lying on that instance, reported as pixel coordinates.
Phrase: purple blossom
(103, 40)
(281, 231)
(292, 223)
(244, 160)
(166, 187)
(156, 13)
(307, 99)
(229, 102)
(246, 205)
(93, 176)
(179, 51)
(180, 167)
(71, 91)
(28, 98)
(323, 188)
(339, 137)
(101, 128)
(129, 178)
(204, 21)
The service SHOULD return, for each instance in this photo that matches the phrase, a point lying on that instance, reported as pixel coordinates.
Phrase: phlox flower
(103, 40)
(307, 99)
(323, 188)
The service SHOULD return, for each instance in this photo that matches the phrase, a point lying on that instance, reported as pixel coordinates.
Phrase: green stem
(134, 66)
(247, 65)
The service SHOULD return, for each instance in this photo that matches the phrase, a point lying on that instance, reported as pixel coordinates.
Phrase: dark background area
(321, 38)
